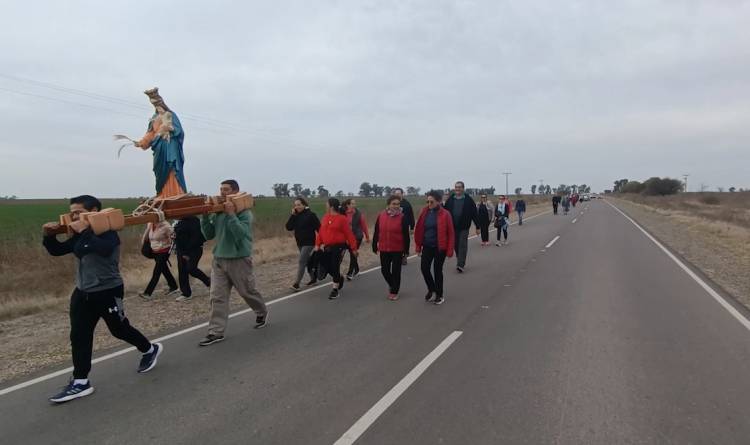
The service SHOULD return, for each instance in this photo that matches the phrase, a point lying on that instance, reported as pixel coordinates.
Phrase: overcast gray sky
(394, 92)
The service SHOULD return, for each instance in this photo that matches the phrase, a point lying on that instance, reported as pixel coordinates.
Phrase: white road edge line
(554, 240)
(192, 328)
(364, 422)
(719, 299)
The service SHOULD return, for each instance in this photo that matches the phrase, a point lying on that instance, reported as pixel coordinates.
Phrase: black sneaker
(261, 321)
(311, 282)
(148, 361)
(460, 269)
(295, 287)
(72, 391)
(439, 300)
(211, 339)
(429, 296)
(334, 294)
(349, 277)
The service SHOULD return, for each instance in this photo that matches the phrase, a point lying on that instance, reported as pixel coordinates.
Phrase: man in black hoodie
(464, 211)
(408, 214)
(189, 246)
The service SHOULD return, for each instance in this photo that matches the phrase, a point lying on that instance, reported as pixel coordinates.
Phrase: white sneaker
(497, 244)
(183, 297)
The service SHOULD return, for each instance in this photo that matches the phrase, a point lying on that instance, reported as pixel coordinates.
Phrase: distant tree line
(654, 186)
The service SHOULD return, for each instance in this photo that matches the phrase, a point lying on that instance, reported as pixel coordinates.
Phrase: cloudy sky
(394, 92)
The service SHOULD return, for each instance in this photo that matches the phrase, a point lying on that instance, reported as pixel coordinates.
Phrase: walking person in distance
(305, 224)
(188, 242)
(463, 210)
(335, 236)
(485, 214)
(159, 237)
(434, 238)
(391, 239)
(358, 224)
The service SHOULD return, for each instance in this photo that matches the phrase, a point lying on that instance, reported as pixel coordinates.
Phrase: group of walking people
(439, 231)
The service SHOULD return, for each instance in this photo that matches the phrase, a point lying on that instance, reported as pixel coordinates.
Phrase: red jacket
(446, 234)
(335, 229)
(391, 233)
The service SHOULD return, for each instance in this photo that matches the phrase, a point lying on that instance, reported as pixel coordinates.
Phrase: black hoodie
(304, 224)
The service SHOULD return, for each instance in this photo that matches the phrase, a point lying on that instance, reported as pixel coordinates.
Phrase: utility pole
(506, 181)
(685, 176)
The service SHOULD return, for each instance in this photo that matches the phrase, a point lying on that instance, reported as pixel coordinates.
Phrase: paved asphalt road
(600, 338)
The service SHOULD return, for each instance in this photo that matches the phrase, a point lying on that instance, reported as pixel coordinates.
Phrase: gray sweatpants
(304, 257)
(227, 273)
(462, 247)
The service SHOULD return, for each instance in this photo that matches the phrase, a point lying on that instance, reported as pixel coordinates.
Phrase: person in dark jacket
(520, 210)
(485, 214)
(502, 215)
(464, 211)
(391, 239)
(359, 227)
(434, 238)
(98, 294)
(555, 203)
(188, 241)
(408, 213)
(305, 224)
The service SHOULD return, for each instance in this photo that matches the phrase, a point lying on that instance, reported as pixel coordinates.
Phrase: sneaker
(497, 244)
(211, 339)
(334, 294)
(439, 300)
(169, 292)
(429, 296)
(295, 287)
(311, 282)
(349, 277)
(148, 361)
(261, 321)
(393, 297)
(183, 297)
(72, 391)
(145, 296)
(460, 269)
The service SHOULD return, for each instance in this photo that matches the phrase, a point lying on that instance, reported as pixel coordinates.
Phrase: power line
(219, 125)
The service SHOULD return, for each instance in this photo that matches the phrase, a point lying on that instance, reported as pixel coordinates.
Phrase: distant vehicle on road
(585, 198)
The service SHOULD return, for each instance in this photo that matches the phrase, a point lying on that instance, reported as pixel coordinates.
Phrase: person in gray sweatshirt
(98, 294)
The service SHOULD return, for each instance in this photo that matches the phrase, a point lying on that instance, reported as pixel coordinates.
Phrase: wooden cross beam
(113, 219)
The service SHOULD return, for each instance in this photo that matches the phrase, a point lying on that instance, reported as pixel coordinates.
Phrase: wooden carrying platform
(155, 210)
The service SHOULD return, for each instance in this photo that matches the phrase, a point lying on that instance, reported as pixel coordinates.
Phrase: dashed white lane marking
(364, 422)
(554, 240)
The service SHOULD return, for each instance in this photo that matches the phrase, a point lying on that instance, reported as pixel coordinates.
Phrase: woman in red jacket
(391, 239)
(435, 239)
(334, 235)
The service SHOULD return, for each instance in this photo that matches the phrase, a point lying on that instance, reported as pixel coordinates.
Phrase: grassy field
(733, 208)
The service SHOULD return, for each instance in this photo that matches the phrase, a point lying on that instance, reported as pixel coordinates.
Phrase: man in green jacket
(232, 264)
